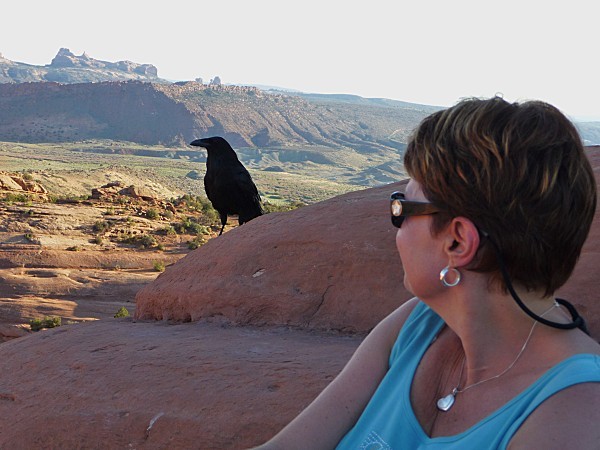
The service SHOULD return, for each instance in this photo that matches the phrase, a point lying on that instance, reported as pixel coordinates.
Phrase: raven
(227, 183)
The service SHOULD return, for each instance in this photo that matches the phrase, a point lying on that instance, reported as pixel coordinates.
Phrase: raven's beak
(199, 143)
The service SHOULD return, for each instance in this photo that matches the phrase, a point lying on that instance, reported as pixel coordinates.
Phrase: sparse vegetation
(168, 230)
(12, 197)
(68, 169)
(54, 198)
(269, 207)
(140, 240)
(101, 226)
(46, 322)
(152, 214)
(198, 241)
(122, 312)
(196, 203)
(191, 225)
(159, 266)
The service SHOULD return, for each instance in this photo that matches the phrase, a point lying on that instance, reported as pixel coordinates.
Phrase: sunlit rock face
(329, 266)
(332, 265)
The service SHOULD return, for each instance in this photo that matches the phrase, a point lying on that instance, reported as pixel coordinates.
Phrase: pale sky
(424, 51)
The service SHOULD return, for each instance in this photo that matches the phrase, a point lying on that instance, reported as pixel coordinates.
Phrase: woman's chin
(407, 285)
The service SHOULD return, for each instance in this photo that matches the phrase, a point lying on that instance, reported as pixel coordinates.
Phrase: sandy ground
(54, 262)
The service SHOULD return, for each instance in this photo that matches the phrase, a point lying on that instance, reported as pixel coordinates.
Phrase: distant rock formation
(114, 189)
(18, 184)
(66, 67)
(216, 81)
(64, 58)
(177, 113)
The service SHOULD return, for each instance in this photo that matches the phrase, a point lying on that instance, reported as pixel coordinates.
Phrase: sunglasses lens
(396, 210)
(397, 221)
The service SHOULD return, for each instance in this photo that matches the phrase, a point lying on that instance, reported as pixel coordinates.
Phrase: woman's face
(421, 253)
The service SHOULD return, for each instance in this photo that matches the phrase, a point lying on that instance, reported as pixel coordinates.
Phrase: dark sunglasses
(401, 208)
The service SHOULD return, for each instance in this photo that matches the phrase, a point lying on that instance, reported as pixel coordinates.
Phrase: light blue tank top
(388, 422)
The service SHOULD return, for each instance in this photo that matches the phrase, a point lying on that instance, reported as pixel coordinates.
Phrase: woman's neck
(484, 320)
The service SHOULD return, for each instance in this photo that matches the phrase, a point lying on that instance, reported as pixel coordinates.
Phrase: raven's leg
(223, 222)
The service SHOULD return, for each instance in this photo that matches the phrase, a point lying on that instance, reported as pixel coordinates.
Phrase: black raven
(227, 183)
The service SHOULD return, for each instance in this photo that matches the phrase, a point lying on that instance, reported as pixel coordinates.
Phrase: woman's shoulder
(563, 420)
(388, 330)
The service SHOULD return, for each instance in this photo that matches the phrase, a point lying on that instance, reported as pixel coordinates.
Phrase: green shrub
(100, 226)
(196, 242)
(147, 241)
(46, 322)
(122, 312)
(159, 266)
(192, 226)
(12, 197)
(211, 216)
(152, 214)
(168, 230)
(200, 204)
(140, 240)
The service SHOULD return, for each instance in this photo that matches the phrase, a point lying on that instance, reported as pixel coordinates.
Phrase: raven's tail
(250, 213)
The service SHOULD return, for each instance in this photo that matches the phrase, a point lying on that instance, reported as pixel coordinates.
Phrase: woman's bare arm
(329, 417)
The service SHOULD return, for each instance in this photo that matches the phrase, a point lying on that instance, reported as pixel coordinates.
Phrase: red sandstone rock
(332, 265)
(117, 384)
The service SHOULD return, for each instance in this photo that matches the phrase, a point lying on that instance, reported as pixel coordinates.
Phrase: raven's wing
(248, 203)
(230, 188)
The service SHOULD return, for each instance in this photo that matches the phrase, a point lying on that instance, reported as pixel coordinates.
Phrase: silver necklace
(445, 403)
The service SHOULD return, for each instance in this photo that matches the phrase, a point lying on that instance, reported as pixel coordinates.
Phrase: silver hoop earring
(455, 272)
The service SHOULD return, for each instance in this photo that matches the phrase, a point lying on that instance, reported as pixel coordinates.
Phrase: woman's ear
(462, 241)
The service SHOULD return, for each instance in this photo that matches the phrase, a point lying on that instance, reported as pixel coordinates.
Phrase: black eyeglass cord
(578, 321)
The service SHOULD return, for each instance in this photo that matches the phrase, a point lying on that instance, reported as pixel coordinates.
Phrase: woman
(491, 224)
